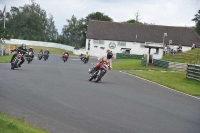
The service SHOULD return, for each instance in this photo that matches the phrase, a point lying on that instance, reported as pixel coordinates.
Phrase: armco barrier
(128, 56)
(161, 63)
(193, 72)
(144, 62)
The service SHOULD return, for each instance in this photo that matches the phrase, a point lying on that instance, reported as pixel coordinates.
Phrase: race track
(57, 96)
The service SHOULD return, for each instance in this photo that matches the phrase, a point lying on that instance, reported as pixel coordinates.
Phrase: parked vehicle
(65, 57)
(29, 56)
(98, 74)
(16, 61)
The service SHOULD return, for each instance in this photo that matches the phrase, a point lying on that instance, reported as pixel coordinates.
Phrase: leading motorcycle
(16, 61)
(98, 74)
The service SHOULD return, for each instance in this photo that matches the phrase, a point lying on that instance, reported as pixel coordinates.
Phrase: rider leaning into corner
(101, 61)
(47, 51)
(22, 49)
(66, 52)
(104, 59)
(31, 50)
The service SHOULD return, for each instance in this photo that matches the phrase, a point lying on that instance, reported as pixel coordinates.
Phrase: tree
(51, 30)
(30, 22)
(97, 16)
(136, 20)
(197, 21)
(72, 31)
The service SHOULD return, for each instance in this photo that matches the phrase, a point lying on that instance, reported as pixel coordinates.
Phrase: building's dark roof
(105, 30)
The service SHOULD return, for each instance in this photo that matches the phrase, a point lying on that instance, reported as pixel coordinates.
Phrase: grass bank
(10, 125)
(174, 80)
(191, 57)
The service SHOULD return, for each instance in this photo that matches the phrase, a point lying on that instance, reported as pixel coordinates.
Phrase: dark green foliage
(74, 33)
(30, 23)
(197, 21)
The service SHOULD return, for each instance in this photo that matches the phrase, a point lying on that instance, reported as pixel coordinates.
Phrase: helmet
(23, 46)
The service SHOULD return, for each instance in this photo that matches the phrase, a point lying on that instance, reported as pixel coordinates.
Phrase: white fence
(50, 44)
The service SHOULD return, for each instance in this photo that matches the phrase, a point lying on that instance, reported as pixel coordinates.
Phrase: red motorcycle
(65, 57)
(98, 74)
(16, 61)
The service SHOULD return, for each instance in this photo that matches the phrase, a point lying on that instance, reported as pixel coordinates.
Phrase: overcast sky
(159, 12)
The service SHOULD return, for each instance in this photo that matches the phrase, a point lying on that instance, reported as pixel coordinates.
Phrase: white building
(133, 38)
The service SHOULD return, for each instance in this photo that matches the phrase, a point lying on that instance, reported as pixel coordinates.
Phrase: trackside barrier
(128, 56)
(161, 63)
(144, 62)
(193, 72)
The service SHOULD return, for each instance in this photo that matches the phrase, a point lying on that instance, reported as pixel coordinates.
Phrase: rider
(22, 49)
(47, 51)
(101, 61)
(31, 50)
(87, 56)
(66, 52)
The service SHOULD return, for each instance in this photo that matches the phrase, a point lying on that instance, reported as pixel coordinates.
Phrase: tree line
(31, 22)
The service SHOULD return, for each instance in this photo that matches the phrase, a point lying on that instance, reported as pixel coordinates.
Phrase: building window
(98, 41)
(121, 44)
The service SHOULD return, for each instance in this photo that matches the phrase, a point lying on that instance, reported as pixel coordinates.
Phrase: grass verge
(10, 125)
(174, 80)
(131, 64)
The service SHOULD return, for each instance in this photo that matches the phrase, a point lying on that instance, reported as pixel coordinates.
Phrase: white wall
(136, 48)
(38, 43)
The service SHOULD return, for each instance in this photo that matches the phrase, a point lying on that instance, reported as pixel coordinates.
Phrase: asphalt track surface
(57, 96)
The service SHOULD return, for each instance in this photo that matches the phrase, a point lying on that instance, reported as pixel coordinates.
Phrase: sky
(158, 12)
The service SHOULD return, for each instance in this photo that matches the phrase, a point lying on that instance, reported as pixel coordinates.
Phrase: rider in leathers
(31, 50)
(22, 49)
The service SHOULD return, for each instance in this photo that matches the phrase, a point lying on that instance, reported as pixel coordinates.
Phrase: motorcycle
(29, 56)
(98, 74)
(85, 60)
(45, 56)
(81, 56)
(65, 57)
(16, 61)
(40, 55)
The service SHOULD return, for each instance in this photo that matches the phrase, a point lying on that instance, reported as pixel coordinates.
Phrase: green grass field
(174, 80)
(10, 125)
(132, 64)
